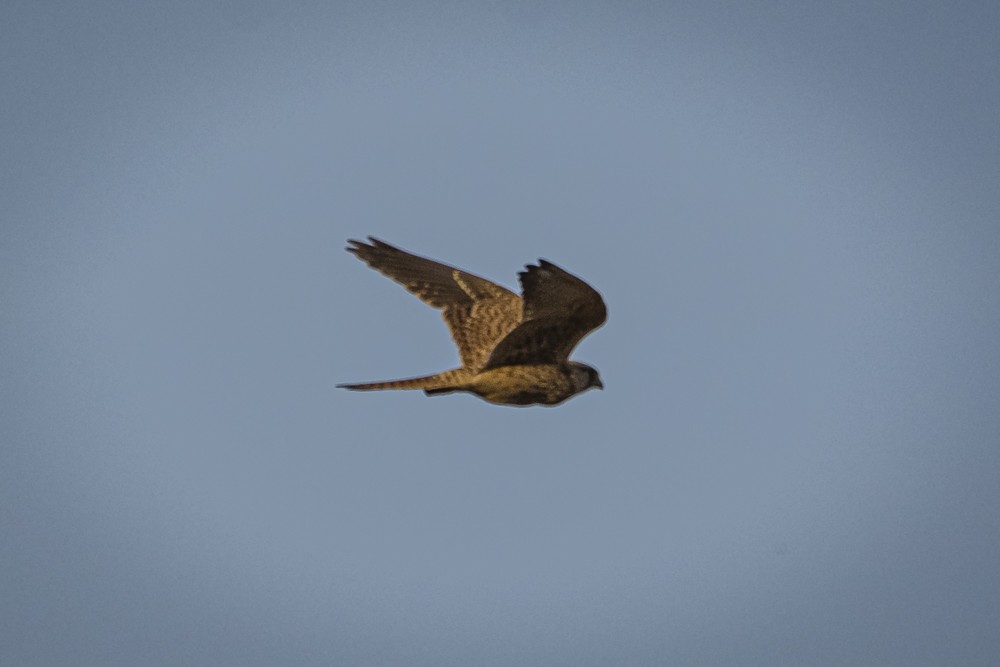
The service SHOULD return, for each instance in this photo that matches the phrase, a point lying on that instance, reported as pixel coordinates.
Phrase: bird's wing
(559, 310)
(436, 284)
(478, 312)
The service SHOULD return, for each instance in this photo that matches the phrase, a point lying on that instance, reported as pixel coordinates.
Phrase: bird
(514, 350)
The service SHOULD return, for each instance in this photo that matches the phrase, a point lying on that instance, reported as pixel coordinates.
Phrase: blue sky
(790, 208)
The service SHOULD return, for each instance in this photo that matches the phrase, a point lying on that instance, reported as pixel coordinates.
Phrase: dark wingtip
(361, 248)
(355, 245)
(350, 385)
(543, 264)
(372, 242)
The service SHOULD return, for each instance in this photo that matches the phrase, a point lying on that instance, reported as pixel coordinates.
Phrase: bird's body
(514, 349)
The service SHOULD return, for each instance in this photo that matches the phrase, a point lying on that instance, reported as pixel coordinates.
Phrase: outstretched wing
(478, 312)
(436, 284)
(559, 310)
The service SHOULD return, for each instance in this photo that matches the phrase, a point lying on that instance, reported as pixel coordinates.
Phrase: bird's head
(585, 377)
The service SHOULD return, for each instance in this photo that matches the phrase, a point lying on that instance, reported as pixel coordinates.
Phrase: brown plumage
(514, 349)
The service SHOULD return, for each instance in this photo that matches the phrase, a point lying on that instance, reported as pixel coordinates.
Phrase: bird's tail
(439, 383)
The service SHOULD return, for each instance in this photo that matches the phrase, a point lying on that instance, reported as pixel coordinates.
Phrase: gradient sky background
(791, 208)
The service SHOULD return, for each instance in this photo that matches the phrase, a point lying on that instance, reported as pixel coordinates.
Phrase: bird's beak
(599, 385)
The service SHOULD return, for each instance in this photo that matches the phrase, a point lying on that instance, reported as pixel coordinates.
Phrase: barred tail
(446, 380)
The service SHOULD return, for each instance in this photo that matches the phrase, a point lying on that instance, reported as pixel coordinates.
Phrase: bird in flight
(514, 350)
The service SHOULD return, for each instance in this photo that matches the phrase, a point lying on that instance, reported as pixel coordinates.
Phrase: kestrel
(514, 349)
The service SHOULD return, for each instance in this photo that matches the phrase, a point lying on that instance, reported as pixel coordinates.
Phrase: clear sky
(792, 210)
